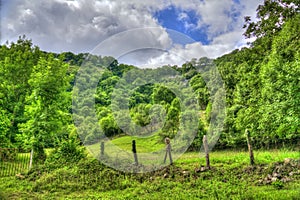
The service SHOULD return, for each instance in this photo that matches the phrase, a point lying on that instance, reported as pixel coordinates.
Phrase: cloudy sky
(140, 32)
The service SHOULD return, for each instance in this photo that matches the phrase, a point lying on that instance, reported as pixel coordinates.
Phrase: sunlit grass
(227, 179)
(121, 147)
(231, 157)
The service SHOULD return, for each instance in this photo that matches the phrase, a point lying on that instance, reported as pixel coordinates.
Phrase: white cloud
(214, 14)
(80, 25)
(181, 54)
(72, 25)
(182, 16)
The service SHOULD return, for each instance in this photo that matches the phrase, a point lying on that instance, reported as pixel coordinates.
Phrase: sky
(141, 32)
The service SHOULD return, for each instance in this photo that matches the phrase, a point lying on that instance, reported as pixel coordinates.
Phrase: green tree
(47, 109)
(270, 17)
(281, 89)
(16, 64)
(4, 129)
(109, 126)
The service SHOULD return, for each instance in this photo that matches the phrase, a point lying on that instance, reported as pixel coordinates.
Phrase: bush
(67, 153)
(8, 154)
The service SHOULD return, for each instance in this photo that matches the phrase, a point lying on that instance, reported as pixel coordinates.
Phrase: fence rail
(13, 161)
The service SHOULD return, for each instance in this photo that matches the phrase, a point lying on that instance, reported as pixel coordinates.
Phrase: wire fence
(13, 161)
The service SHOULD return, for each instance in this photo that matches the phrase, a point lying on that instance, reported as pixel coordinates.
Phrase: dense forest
(262, 88)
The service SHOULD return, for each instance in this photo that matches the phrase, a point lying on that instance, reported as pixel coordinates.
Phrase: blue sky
(182, 21)
(204, 27)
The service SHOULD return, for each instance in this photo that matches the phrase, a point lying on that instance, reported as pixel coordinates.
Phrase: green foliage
(46, 111)
(109, 126)
(163, 95)
(68, 152)
(278, 184)
(4, 129)
(199, 86)
(16, 64)
(264, 94)
(271, 16)
(280, 86)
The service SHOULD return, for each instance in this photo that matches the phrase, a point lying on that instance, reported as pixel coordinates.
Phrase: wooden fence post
(102, 149)
(168, 151)
(31, 158)
(134, 153)
(206, 149)
(247, 133)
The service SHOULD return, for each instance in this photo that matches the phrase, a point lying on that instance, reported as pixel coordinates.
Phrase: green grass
(231, 177)
(143, 145)
(120, 149)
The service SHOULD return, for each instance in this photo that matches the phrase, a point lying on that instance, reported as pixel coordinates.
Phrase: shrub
(67, 153)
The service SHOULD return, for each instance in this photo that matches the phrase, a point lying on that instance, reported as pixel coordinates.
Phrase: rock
(274, 179)
(202, 169)
(185, 173)
(287, 160)
(197, 170)
(166, 175)
(266, 178)
(269, 177)
(285, 179)
(268, 181)
(20, 176)
(277, 175)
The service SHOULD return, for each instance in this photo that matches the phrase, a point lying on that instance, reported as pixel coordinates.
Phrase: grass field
(231, 177)
(143, 145)
(151, 151)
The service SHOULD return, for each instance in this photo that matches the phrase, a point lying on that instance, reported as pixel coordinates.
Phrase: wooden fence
(14, 161)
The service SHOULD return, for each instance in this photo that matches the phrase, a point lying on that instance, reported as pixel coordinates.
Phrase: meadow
(231, 177)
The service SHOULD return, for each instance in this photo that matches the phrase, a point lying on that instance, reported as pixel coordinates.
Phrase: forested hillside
(262, 91)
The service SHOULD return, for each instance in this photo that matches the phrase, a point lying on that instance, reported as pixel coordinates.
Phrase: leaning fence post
(31, 158)
(168, 151)
(205, 144)
(134, 152)
(247, 133)
(102, 149)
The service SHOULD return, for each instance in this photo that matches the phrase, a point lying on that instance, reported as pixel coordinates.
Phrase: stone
(202, 169)
(274, 179)
(197, 170)
(185, 173)
(269, 177)
(287, 160)
(20, 176)
(166, 175)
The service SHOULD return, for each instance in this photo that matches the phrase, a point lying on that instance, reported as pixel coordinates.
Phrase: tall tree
(281, 87)
(16, 64)
(47, 109)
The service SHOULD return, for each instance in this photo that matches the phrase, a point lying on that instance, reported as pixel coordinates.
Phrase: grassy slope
(143, 145)
(230, 178)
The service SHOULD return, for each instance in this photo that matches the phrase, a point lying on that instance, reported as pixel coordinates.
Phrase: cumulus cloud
(72, 25)
(80, 25)
(179, 54)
